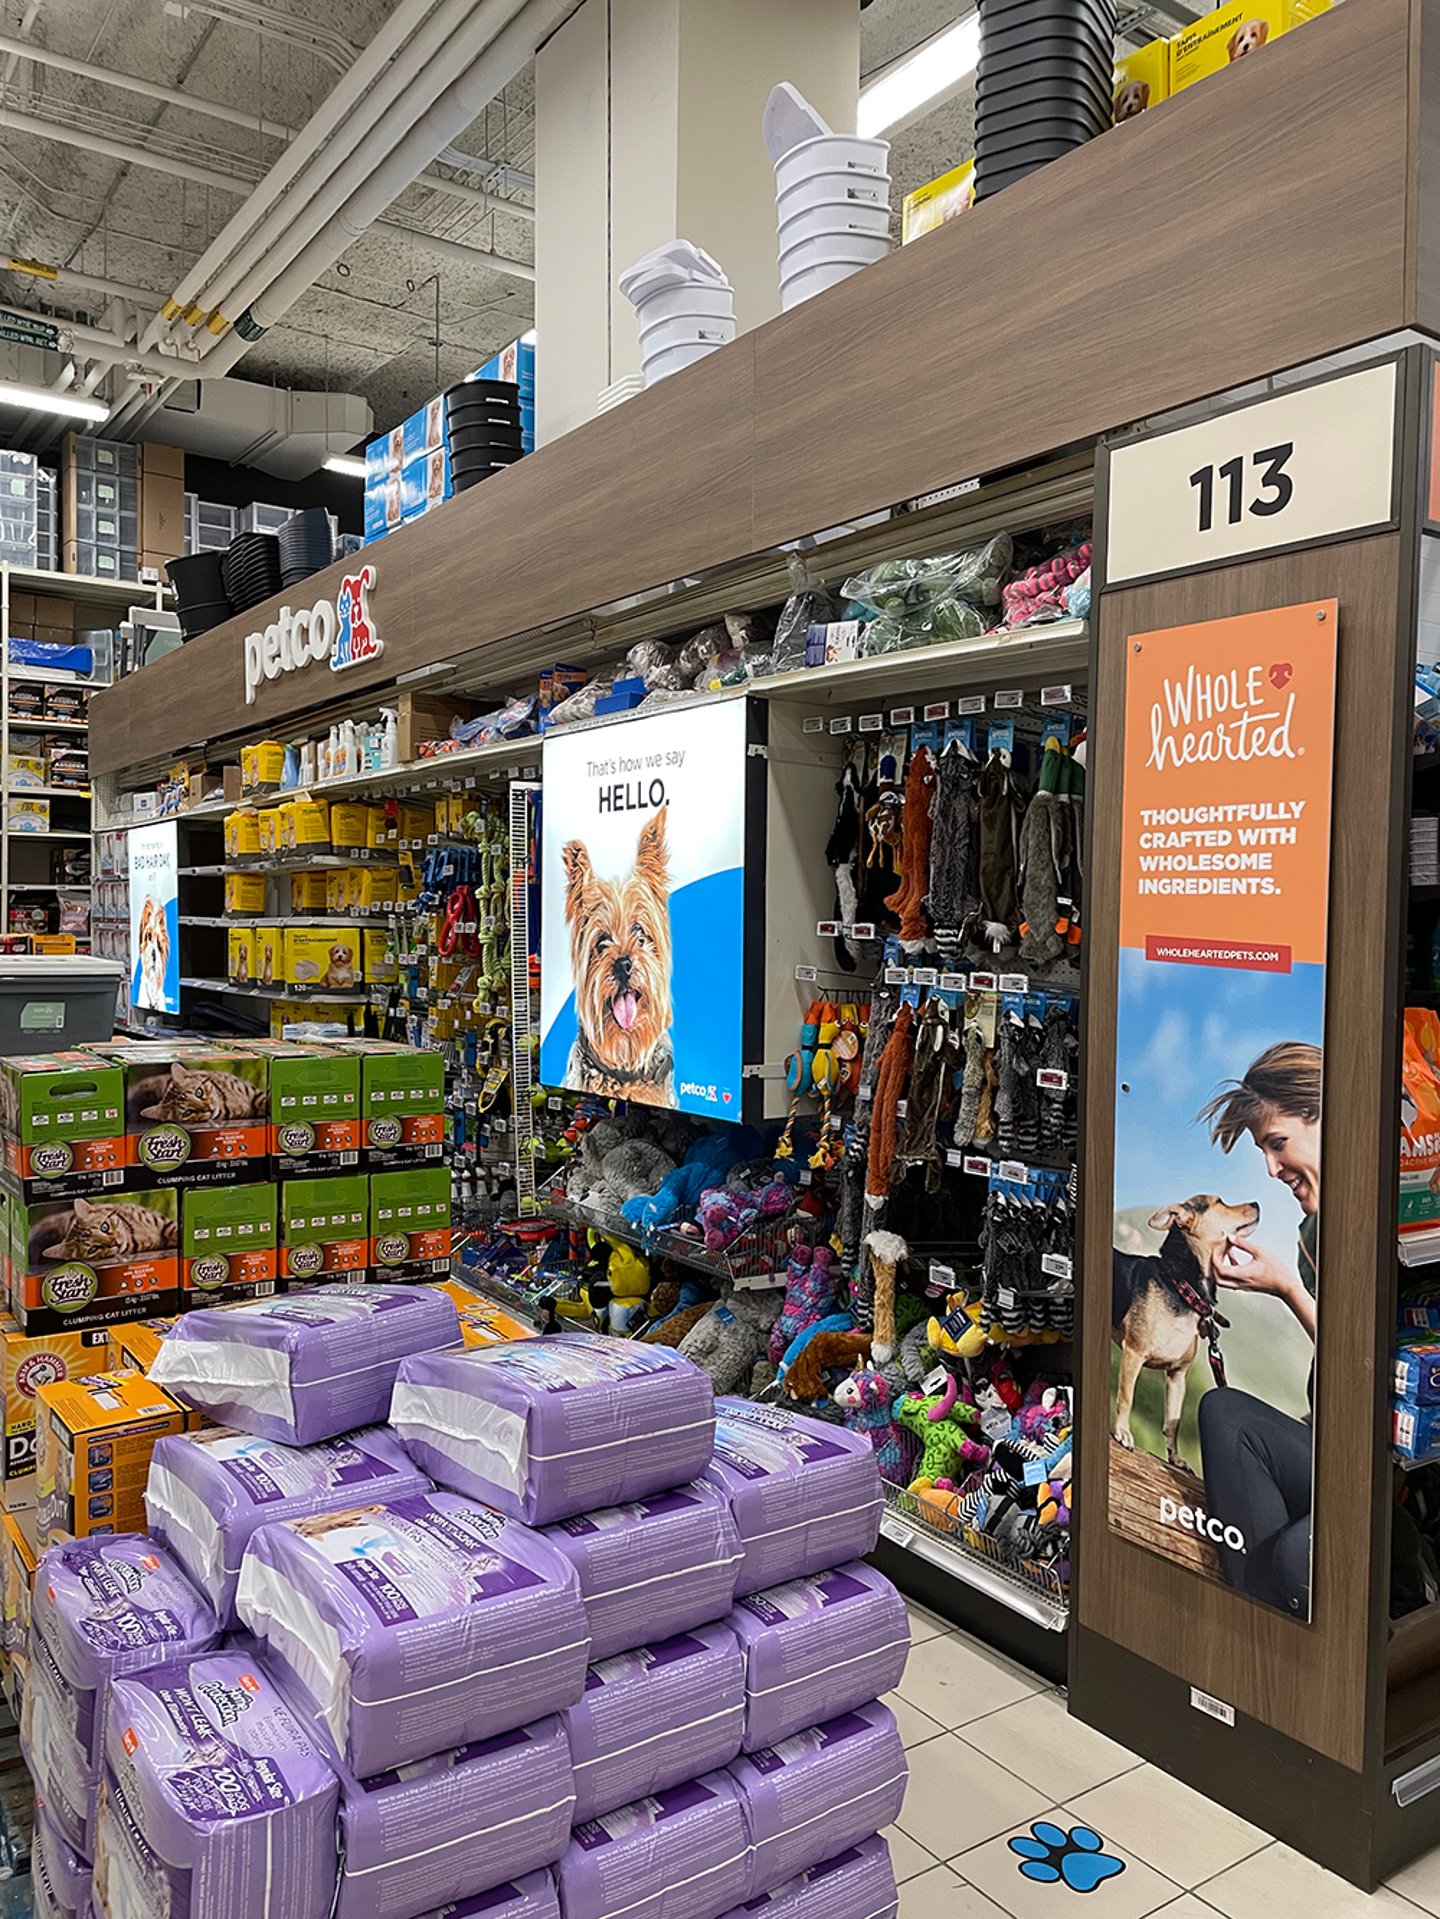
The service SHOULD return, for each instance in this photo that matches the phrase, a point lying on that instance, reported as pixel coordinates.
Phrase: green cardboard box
(229, 1243)
(410, 1223)
(62, 1117)
(325, 1228)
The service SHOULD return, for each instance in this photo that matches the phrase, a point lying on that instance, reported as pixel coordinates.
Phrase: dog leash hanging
(1211, 1320)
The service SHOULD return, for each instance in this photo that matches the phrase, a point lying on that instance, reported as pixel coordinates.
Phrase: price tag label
(553, 1103)
(977, 1164)
(902, 1107)
(1298, 466)
(827, 929)
(1056, 1266)
(1010, 700)
(1052, 1079)
(844, 725)
(954, 1157)
(902, 716)
(941, 1275)
(938, 710)
(924, 975)
(815, 724)
(807, 1178)
(872, 722)
(897, 975)
(984, 983)
(935, 1381)
(805, 972)
(1014, 983)
(863, 930)
(975, 704)
(1015, 1170)
(953, 982)
(1055, 696)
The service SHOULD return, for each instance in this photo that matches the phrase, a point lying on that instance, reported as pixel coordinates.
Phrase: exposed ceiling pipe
(234, 116)
(27, 20)
(461, 252)
(448, 43)
(76, 277)
(222, 183)
(325, 44)
(461, 102)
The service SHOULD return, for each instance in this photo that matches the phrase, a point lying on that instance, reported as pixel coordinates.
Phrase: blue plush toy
(704, 1165)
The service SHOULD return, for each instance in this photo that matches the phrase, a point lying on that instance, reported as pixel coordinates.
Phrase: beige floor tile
(957, 1798)
(1280, 1884)
(1185, 1836)
(1132, 1894)
(915, 1726)
(1420, 1881)
(1187, 1906)
(908, 1859)
(940, 1895)
(953, 1679)
(1038, 1740)
(923, 1624)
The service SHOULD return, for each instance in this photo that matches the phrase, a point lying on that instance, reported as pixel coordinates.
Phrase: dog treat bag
(216, 1803)
(805, 1496)
(678, 1854)
(1420, 1121)
(651, 1568)
(417, 1626)
(819, 1791)
(306, 1367)
(543, 1429)
(449, 1828)
(655, 1717)
(209, 1491)
(816, 1647)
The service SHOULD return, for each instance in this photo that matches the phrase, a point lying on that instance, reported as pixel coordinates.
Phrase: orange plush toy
(805, 1380)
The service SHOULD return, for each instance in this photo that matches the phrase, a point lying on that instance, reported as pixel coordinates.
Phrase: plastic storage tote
(47, 1004)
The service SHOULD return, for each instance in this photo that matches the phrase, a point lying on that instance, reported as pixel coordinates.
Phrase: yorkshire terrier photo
(620, 957)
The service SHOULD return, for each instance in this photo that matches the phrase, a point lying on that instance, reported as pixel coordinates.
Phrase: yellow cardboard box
(269, 824)
(1232, 33)
(349, 825)
(244, 892)
(262, 764)
(379, 956)
(482, 1322)
(310, 825)
(413, 823)
(288, 1012)
(1142, 80)
(937, 201)
(240, 954)
(94, 1438)
(242, 833)
(323, 956)
(268, 966)
(337, 890)
(307, 892)
(369, 887)
(377, 827)
(133, 1347)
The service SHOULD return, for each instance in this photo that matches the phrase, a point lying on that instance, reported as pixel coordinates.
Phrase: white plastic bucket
(829, 249)
(789, 119)
(701, 298)
(686, 329)
(832, 153)
(675, 359)
(678, 263)
(824, 189)
(845, 217)
(806, 282)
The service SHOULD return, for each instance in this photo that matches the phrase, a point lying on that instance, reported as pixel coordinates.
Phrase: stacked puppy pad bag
(728, 1749)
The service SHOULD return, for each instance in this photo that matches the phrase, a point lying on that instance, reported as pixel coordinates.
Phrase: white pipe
(233, 116)
(458, 250)
(73, 276)
(449, 42)
(334, 110)
(461, 102)
(27, 20)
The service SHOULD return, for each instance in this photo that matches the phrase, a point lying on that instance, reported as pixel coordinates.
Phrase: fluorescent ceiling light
(920, 79)
(347, 463)
(44, 399)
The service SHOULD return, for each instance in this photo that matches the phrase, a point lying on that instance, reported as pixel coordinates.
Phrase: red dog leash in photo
(1211, 1320)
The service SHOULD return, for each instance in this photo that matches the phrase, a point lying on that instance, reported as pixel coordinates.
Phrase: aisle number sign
(1285, 471)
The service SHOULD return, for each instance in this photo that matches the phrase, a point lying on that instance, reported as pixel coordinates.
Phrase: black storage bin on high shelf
(307, 543)
(1042, 86)
(200, 596)
(250, 568)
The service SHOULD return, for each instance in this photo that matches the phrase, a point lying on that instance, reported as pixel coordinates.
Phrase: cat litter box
(47, 1004)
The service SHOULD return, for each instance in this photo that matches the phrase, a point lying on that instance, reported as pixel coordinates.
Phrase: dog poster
(154, 922)
(1220, 1032)
(643, 909)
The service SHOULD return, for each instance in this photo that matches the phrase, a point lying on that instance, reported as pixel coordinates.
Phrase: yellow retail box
(262, 765)
(371, 889)
(240, 954)
(242, 834)
(377, 827)
(244, 892)
(323, 956)
(349, 825)
(307, 892)
(94, 1437)
(31, 1362)
(337, 890)
(268, 968)
(133, 1347)
(24, 771)
(939, 200)
(412, 824)
(28, 816)
(269, 824)
(1233, 32)
(310, 826)
(289, 1012)
(1142, 80)
(379, 957)
(482, 1322)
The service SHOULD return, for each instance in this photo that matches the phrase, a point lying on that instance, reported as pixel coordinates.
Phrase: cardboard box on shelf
(308, 891)
(62, 1117)
(132, 1346)
(402, 1102)
(324, 1228)
(370, 889)
(381, 966)
(24, 769)
(94, 1437)
(349, 825)
(937, 201)
(30, 1361)
(17, 1579)
(270, 824)
(308, 826)
(377, 831)
(229, 1243)
(1234, 32)
(74, 1264)
(410, 1223)
(1142, 80)
(344, 1015)
(240, 954)
(28, 816)
(162, 505)
(314, 1110)
(410, 823)
(242, 833)
(269, 967)
(262, 766)
(195, 1115)
(325, 957)
(482, 1322)
(245, 892)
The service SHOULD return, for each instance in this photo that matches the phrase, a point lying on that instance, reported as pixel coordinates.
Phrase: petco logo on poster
(341, 630)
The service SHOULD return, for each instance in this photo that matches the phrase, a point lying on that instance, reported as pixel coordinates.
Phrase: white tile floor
(993, 1749)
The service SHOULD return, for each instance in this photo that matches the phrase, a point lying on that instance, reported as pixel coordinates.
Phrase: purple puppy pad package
(209, 1491)
(308, 1366)
(445, 1829)
(816, 1647)
(216, 1803)
(804, 1495)
(858, 1883)
(653, 1567)
(60, 1766)
(820, 1791)
(417, 1626)
(61, 1874)
(679, 1854)
(532, 1896)
(655, 1717)
(543, 1429)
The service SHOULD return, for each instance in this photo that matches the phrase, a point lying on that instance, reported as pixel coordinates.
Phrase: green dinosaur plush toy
(943, 1422)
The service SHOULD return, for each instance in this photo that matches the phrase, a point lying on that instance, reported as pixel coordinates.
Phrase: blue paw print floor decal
(1076, 1859)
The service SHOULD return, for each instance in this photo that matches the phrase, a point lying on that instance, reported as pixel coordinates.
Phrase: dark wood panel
(1251, 223)
(1308, 1682)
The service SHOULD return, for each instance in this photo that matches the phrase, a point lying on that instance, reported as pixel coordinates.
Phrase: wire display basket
(757, 1256)
(905, 1511)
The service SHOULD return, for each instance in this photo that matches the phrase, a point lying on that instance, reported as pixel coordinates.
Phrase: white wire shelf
(1035, 1593)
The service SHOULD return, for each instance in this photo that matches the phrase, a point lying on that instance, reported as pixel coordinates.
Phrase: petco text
(1209, 718)
(340, 630)
(1195, 1519)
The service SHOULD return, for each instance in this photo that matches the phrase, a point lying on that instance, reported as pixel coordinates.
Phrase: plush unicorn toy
(864, 1397)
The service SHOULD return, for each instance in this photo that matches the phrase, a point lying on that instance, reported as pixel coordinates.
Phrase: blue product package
(57, 659)
(1416, 1430)
(1417, 1372)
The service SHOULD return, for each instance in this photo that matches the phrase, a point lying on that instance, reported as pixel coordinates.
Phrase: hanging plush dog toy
(886, 1253)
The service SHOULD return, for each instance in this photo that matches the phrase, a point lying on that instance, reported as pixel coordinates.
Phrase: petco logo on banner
(340, 630)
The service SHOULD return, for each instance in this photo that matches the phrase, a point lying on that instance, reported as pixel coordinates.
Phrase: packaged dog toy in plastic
(417, 1626)
(804, 1495)
(655, 1717)
(209, 1491)
(306, 1367)
(546, 1428)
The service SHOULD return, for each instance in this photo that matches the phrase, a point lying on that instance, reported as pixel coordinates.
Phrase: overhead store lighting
(920, 79)
(44, 399)
(347, 463)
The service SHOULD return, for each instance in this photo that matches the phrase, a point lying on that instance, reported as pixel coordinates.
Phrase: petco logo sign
(339, 630)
